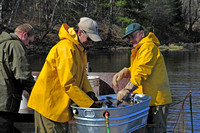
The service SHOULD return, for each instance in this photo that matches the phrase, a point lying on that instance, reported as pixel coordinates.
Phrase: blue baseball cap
(132, 28)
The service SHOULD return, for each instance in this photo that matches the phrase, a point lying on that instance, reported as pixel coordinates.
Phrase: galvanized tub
(122, 119)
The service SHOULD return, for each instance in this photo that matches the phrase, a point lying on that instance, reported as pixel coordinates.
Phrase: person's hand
(92, 95)
(96, 104)
(123, 95)
(117, 77)
(120, 75)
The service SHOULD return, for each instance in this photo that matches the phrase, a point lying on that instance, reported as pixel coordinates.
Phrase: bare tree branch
(55, 22)
(53, 13)
(12, 13)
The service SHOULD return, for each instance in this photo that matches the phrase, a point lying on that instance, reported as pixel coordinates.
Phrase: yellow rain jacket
(148, 71)
(62, 79)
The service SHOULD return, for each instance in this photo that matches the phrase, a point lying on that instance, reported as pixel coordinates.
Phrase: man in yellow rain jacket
(147, 74)
(63, 79)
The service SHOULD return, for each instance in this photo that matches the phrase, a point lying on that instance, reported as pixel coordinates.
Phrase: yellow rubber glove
(120, 75)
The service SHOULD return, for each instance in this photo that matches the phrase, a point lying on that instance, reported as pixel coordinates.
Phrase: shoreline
(182, 47)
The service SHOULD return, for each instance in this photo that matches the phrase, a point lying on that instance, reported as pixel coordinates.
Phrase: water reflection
(184, 74)
(108, 61)
(183, 70)
(36, 61)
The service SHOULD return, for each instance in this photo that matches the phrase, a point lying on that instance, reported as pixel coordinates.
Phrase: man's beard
(87, 45)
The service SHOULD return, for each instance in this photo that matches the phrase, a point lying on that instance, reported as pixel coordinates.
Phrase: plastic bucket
(23, 109)
(94, 82)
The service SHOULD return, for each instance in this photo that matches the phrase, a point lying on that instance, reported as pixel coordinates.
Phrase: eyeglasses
(133, 35)
(88, 38)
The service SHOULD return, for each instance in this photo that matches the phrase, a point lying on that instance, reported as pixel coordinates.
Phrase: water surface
(183, 71)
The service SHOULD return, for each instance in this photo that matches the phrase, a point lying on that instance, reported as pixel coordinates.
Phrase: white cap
(90, 27)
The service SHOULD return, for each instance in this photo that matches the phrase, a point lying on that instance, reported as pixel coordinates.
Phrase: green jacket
(15, 72)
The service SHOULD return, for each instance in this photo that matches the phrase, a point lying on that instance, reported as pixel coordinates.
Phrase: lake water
(183, 71)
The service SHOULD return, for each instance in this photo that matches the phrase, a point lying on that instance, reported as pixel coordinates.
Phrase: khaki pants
(157, 119)
(44, 125)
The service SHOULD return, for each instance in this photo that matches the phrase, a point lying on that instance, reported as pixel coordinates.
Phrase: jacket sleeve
(67, 72)
(21, 67)
(146, 60)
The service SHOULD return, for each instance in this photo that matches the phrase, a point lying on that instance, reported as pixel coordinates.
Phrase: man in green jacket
(15, 73)
(148, 75)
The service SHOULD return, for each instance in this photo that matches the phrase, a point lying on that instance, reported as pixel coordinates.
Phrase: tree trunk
(12, 13)
(192, 14)
(86, 7)
(1, 10)
(109, 36)
(55, 22)
(53, 13)
(190, 17)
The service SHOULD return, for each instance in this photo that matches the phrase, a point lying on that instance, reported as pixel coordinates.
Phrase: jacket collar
(149, 38)
(69, 33)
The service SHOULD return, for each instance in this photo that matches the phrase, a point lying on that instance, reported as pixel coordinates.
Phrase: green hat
(132, 28)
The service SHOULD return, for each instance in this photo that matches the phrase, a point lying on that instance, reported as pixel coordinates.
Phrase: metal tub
(122, 119)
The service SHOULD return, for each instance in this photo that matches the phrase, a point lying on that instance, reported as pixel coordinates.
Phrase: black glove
(96, 104)
(92, 95)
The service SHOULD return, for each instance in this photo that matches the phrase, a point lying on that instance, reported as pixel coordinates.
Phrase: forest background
(173, 21)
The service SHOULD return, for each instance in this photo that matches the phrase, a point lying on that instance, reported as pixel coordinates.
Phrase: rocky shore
(44, 49)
